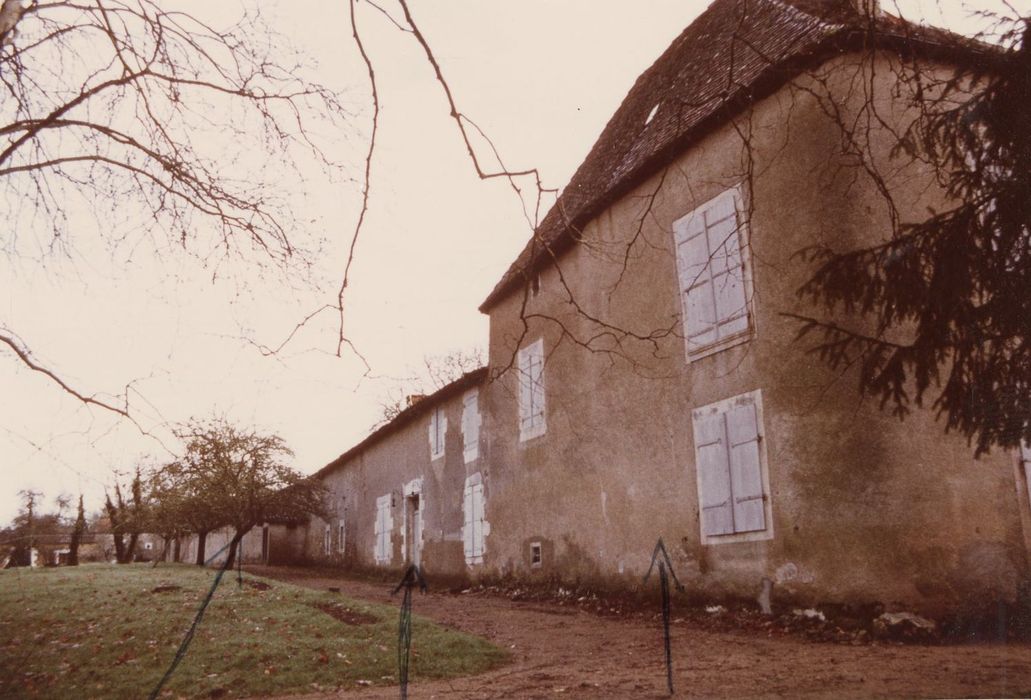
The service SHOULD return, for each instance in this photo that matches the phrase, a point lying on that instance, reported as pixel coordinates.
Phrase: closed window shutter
(477, 508)
(525, 384)
(471, 427)
(714, 474)
(728, 283)
(467, 528)
(711, 272)
(696, 281)
(378, 528)
(745, 469)
(536, 387)
(382, 529)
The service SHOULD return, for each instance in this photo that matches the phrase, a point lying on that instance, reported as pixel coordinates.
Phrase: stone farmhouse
(644, 381)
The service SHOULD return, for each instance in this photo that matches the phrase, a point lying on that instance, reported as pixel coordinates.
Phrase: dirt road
(559, 651)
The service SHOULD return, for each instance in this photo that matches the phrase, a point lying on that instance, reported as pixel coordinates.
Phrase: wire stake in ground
(665, 565)
(193, 628)
(413, 577)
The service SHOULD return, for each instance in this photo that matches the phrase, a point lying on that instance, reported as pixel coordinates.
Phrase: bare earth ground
(567, 652)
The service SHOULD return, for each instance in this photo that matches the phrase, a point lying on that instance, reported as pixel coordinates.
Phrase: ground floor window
(384, 524)
(730, 460)
(474, 525)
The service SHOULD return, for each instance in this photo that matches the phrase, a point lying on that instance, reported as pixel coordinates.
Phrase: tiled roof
(734, 53)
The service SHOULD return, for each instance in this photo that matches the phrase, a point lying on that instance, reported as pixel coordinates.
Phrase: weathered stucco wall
(864, 507)
(399, 466)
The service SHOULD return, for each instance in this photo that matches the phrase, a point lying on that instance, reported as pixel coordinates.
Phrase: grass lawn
(105, 631)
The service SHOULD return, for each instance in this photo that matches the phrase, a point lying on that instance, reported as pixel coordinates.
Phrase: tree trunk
(177, 549)
(164, 551)
(77, 532)
(201, 538)
(130, 551)
(119, 547)
(73, 547)
(234, 546)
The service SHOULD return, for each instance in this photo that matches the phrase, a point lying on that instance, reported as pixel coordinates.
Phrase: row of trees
(226, 477)
(33, 523)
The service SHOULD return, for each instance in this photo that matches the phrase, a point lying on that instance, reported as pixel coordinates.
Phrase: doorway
(413, 528)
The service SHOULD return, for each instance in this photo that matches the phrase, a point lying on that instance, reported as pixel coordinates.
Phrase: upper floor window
(471, 426)
(530, 362)
(711, 271)
(438, 429)
(730, 463)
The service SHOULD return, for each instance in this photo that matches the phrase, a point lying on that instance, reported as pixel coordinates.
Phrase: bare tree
(124, 113)
(128, 516)
(437, 371)
(239, 476)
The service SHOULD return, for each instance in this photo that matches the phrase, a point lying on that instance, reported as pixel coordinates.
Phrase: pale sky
(541, 77)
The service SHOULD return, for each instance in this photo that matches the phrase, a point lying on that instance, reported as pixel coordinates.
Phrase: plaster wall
(400, 466)
(864, 507)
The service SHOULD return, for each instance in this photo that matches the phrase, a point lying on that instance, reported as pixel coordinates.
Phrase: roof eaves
(889, 32)
(467, 380)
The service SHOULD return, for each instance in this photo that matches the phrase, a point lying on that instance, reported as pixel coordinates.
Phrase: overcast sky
(541, 77)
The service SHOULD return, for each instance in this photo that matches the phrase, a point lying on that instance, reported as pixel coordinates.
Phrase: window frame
(692, 350)
(438, 433)
(341, 536)
(532, 422)
(474, 522)
(383, 553)
(722, 407)
(327, 540)
(471, 443)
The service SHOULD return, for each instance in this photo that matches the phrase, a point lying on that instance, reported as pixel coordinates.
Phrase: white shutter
(711, 272)
(467, 527)
(471, 426)
(382, 529)
(530, 362)
(727, 270)
(477, 503)
(536, 385)
(525, 385)
(745, 469)
(713, 474)
(695, 280)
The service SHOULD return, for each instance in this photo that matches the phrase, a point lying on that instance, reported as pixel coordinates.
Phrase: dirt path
(562, 652)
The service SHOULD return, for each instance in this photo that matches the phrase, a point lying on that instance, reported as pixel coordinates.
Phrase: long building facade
(645, 378)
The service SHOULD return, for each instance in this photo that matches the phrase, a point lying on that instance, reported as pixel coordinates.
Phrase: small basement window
(535, 555)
